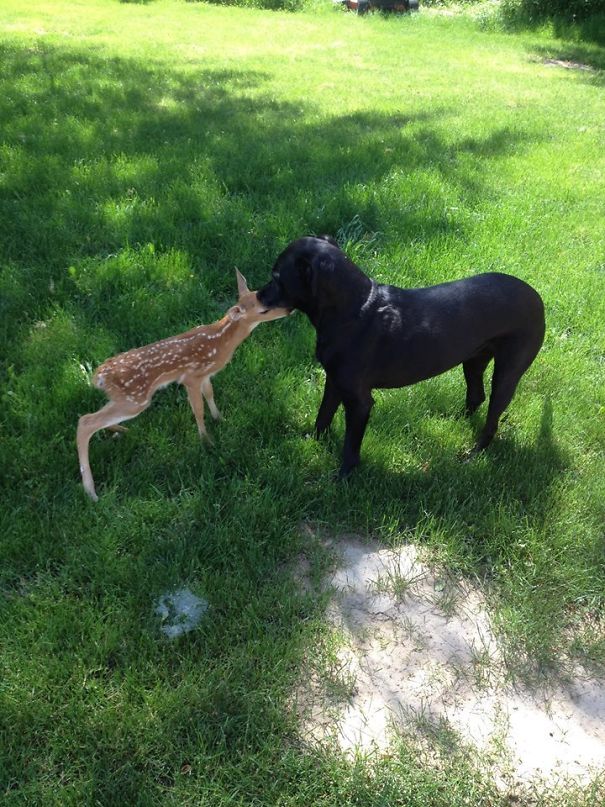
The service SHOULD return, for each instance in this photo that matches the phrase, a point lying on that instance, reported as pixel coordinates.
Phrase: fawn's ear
(242, 286)
(236, 312)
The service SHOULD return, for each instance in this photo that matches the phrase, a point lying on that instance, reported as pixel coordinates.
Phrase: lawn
(146, 150)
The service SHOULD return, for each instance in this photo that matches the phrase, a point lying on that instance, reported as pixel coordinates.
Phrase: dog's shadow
(509, 485)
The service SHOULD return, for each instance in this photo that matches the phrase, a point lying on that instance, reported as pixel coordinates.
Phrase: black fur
(376, 336)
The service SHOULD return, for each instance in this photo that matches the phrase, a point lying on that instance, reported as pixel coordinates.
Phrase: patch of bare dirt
(567, 65)
(418, 649)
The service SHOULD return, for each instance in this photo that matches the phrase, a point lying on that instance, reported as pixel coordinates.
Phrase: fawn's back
(138, 373)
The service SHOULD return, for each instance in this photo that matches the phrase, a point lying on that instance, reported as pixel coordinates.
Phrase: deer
(131, 379)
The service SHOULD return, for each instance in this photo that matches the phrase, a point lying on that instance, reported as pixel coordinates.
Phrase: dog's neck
(372, 294)
(350, 303)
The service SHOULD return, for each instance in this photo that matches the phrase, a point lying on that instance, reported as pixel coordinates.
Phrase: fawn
(130, 379)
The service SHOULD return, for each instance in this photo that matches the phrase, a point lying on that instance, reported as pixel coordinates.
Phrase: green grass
(148, 149)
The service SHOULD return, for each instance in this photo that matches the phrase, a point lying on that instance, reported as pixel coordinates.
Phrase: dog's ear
(317, 272)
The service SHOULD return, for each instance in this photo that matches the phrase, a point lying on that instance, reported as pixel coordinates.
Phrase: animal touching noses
(265, 297)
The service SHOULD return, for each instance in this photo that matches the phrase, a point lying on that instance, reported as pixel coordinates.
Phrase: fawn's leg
(197, 404)
(208, 393)
(106, 417)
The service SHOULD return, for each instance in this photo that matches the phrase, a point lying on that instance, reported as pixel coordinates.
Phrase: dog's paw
(471, 453)
(344, 473)
(467, 456)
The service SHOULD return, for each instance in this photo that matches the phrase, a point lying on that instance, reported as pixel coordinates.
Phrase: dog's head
(312, 273)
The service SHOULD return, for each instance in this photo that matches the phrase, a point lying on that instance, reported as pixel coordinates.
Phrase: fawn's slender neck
(228, 332)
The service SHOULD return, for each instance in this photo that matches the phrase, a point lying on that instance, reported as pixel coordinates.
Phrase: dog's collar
(370, 298)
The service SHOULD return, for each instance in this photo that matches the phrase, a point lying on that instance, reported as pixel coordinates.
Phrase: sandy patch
(567, 65)
(418, 653)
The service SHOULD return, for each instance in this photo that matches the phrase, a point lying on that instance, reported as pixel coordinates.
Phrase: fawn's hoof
(92, 493)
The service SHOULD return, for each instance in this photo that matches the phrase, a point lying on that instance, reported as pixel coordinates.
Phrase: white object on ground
(180, 611)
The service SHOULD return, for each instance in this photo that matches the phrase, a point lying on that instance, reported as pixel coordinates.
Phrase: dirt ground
(418, 655)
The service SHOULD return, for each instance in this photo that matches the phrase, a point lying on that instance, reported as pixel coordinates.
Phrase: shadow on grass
(575, 58)
(104, 153)
(484, 502)
(494, 519)
(580, 50)
(129, 192)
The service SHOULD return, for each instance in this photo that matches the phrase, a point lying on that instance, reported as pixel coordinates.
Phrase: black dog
(374, 336)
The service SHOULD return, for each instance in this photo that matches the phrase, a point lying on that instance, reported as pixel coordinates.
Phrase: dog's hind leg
(329, 404)
(473, 374)
(357, 413)
(511, 361)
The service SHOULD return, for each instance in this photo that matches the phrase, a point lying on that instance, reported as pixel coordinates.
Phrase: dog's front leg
(330, 403)
(357, 413)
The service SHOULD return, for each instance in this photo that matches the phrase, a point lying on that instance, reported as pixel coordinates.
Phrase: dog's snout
(269, 296)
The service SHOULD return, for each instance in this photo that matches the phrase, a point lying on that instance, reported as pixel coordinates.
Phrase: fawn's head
(248, 309)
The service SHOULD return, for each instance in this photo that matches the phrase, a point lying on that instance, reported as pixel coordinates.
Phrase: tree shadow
(512, 482)
(576, 59)
(580, 49)
(105, 153)
(131, 191)
(128, 193)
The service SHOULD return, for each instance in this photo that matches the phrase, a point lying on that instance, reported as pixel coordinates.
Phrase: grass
(148, 149)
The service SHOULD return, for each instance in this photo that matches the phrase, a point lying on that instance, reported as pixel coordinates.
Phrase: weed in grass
(396, 583)
(447, 597)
